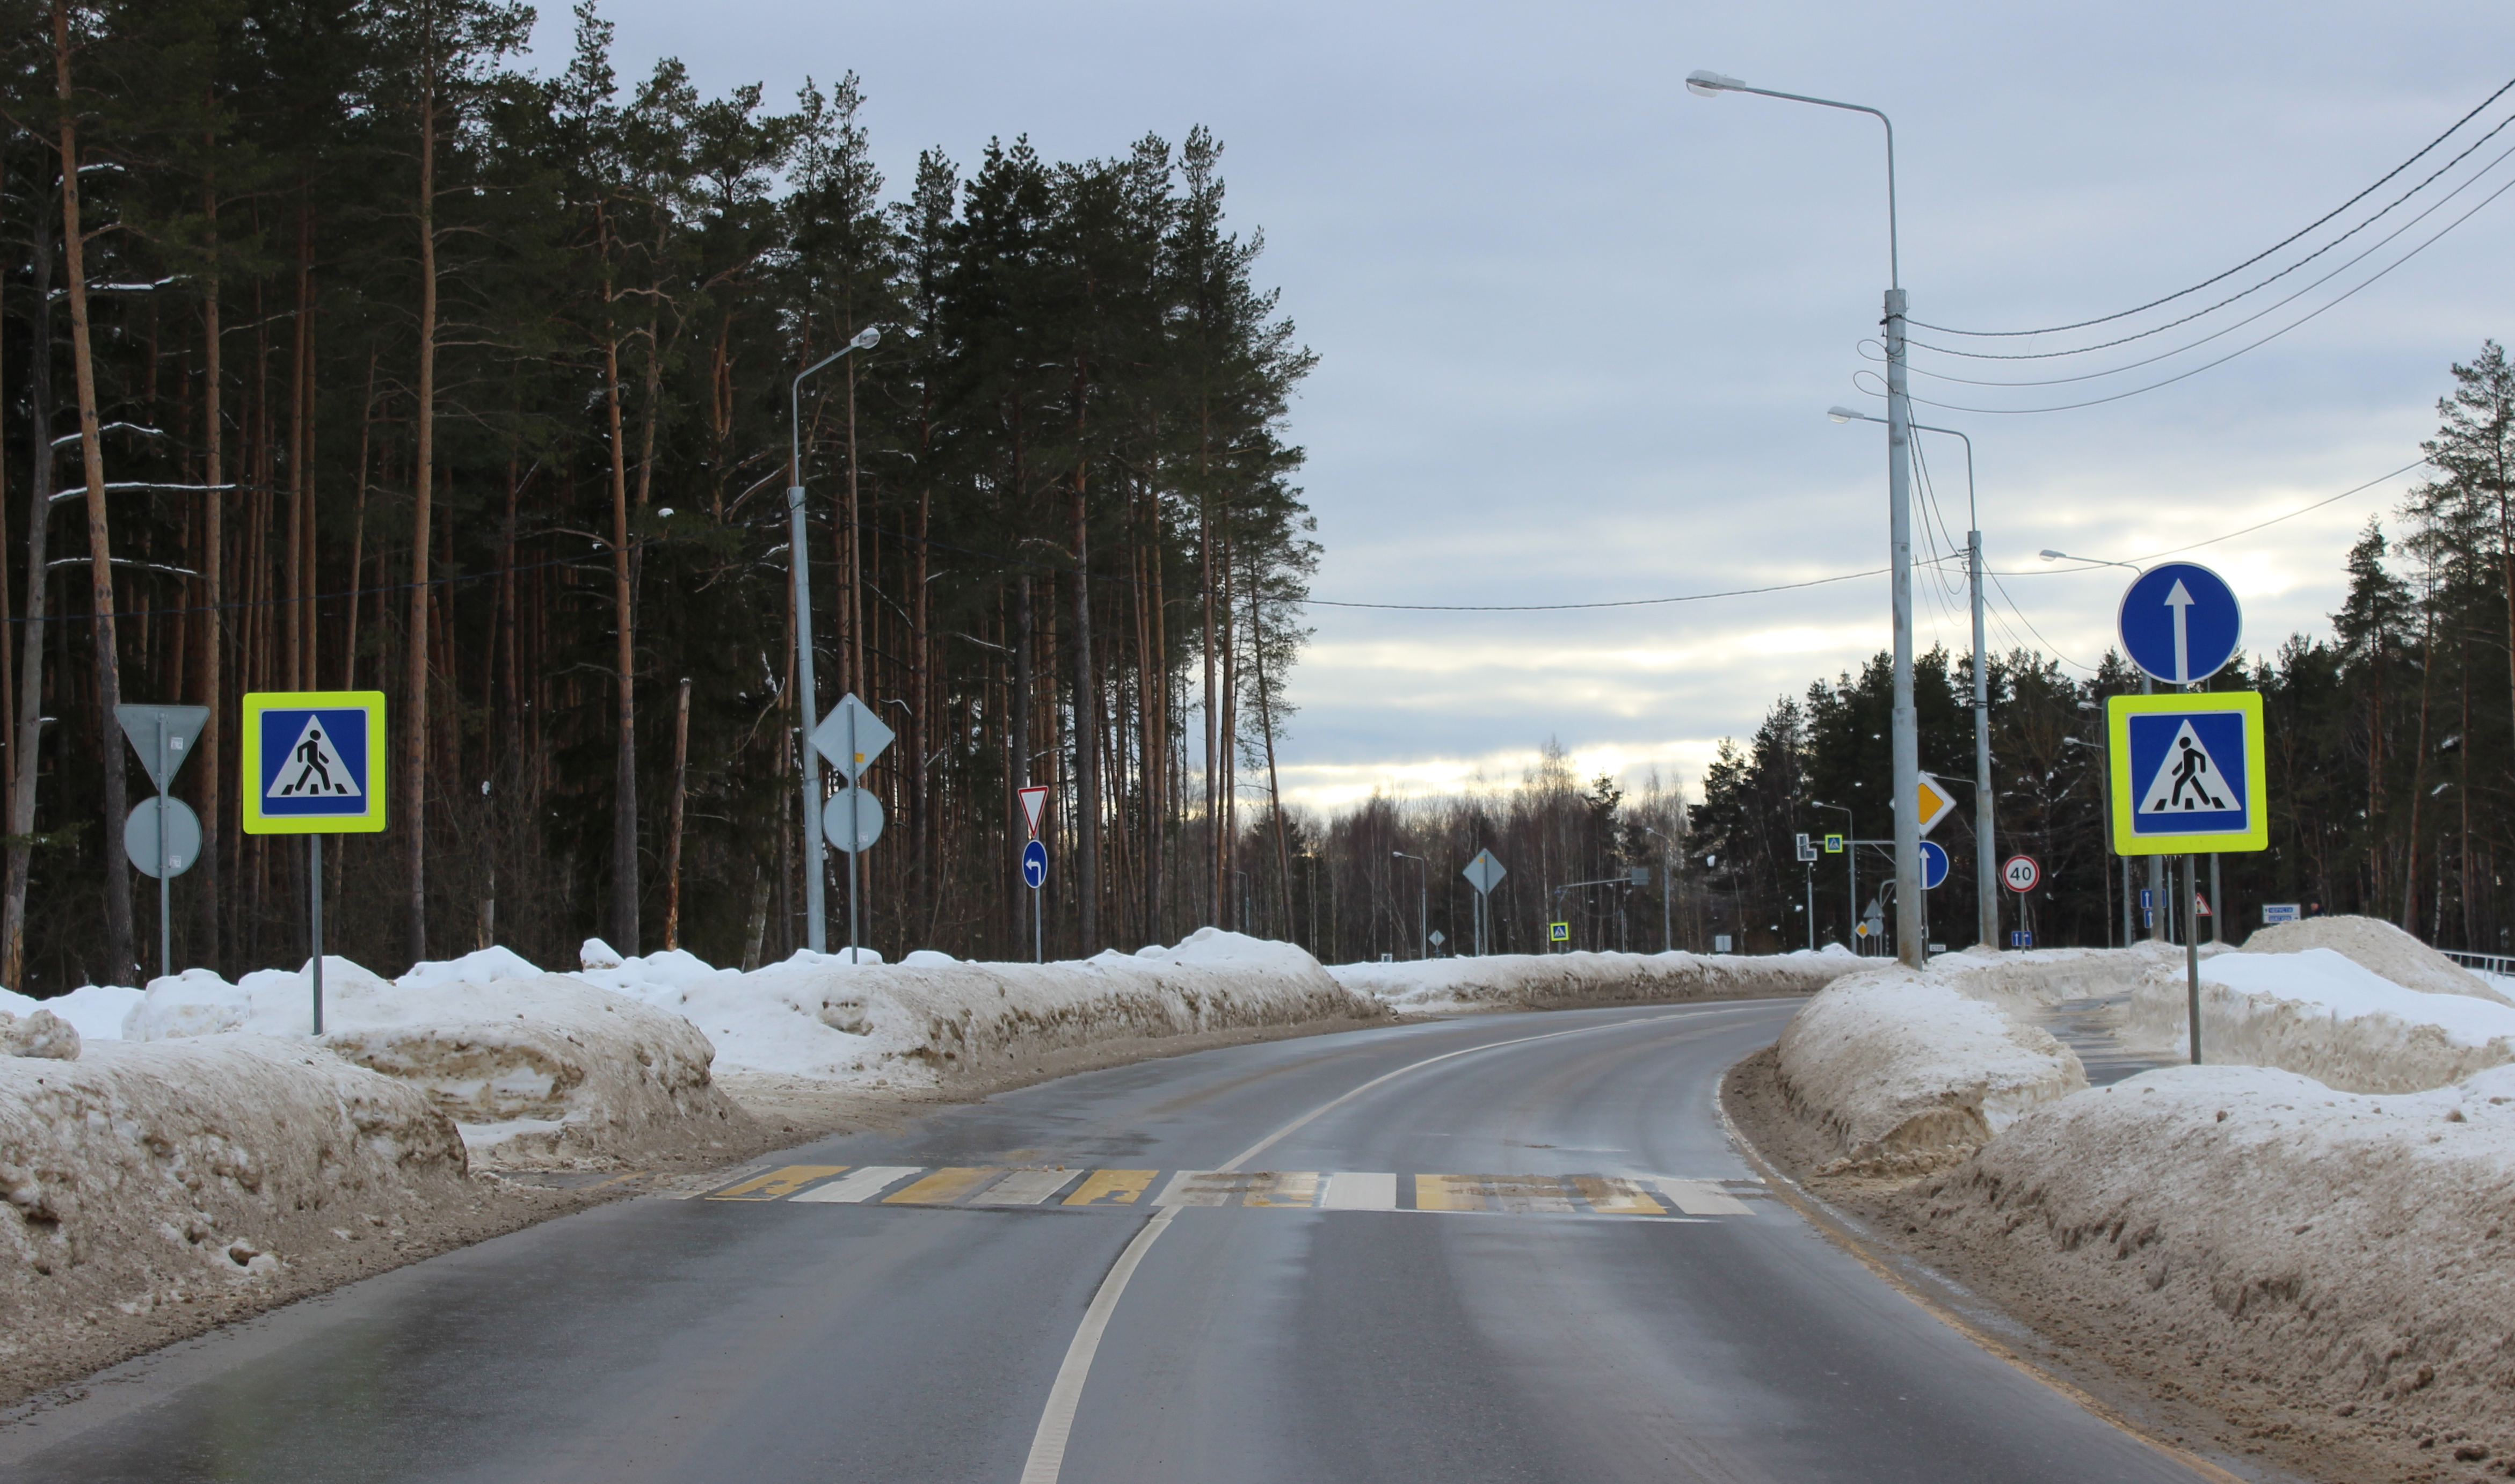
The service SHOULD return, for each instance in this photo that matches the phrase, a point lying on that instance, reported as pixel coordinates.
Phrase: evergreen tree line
(340, 351)
(2391, 748)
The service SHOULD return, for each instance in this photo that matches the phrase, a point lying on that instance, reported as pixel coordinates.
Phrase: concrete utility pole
(1986, 885)
(1909, 935)
(808, 706)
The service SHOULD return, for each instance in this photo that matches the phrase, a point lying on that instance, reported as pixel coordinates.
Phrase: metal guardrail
(2487, 963)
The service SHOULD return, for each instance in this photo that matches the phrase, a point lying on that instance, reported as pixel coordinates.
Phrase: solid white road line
(1359, 1190)
(1057, 1422)
(859, 1185)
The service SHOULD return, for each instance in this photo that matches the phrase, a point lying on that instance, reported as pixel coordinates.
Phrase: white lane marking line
(1057, 1422)
(862, 1185)
(1360, 1190)
(1025, 1188)
(1700, 1198)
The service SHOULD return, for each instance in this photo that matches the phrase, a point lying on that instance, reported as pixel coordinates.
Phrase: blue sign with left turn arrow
(1034, 865)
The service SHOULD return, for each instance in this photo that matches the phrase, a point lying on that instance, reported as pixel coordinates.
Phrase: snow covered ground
(2351, 1249)
(2318, 1012)
(1549, 981)
(140, 1175)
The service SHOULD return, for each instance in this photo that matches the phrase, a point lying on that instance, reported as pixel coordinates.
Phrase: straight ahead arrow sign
(2181, 602)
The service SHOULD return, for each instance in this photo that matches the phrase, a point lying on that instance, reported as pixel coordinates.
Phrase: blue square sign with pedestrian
(2188, 773)
(313, 762)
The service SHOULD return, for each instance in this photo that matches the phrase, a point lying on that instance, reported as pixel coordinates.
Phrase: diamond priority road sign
(1932, 803)
(2188, 773)
(1484, 873)
(313, 762)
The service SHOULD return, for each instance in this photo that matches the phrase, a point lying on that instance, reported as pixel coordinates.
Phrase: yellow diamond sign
(1933, 802)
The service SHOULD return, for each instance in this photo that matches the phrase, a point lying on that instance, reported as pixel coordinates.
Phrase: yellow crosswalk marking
(1283, 1187)
(1112, 1188)
(1447, 1192)
(942, 1187)
(1614, 1196)
(776, 1184)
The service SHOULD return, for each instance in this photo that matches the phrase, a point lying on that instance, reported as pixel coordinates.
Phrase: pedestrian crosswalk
(1651, 1196)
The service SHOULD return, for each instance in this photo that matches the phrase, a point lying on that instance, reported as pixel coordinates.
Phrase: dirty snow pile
(1557, 980)
(2315, 1012)
(537, 1068)
(138, 1175)
(2379, 947)
(1908, 1070)
(931, 1019)
(2356, 1251)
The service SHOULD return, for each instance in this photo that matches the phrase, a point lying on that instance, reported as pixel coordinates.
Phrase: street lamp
(1986, 888)
(2147, 686)
(816, 917)
(1667, 919)
(1909, 933)
(1422, 904)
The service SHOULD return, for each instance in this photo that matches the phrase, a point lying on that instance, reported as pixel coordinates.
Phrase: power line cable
(2269, 309)
(2247, 530)
(1630, 603)
(2265, 253)
(2310, 315)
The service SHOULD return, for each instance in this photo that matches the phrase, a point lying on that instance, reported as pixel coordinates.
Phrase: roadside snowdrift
(1560, 980)
(2315, 1012)
(1908, 1071)
(536, 1068)
(140, 1175)
(932, 1022)
(2357, 1253)
(2380, 948)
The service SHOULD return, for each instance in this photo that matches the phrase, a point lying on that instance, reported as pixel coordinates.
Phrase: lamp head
(2049, 555)
(866, 339)
(1706, 84)
(1846, 415)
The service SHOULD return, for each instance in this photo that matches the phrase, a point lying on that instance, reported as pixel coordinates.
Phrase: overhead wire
(2304, 320)
(2259, 257)
(2267, 310)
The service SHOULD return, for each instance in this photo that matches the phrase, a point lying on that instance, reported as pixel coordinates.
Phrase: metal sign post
(851, 736)
(314, 764)
(169, 839)
(1483, 873)
(2190, 776)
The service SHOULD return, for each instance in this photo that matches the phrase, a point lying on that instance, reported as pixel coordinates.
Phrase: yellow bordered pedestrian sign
(2189, 774)
(313, 762)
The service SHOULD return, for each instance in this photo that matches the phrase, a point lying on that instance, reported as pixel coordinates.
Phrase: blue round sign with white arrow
(1934, 865)
(2180, 622)
(1034, 865)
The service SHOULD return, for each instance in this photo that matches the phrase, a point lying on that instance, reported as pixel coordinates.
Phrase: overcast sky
(1578, 329)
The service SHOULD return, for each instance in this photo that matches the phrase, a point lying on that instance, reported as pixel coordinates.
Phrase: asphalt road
(1384, 1262)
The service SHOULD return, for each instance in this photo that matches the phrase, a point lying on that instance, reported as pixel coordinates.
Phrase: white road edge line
(1047, 1460)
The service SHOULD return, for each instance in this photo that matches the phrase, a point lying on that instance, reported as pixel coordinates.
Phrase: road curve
(1502, 1248)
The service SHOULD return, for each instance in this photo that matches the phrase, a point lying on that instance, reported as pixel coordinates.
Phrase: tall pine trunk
(210, 925)
(624, 785)
(1087, 738)
(414, 770)
(99, 535)
(29, 747)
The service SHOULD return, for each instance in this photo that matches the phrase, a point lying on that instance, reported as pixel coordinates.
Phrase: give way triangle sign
(1034, 802)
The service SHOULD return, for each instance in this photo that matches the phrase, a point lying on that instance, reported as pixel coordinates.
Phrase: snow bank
(1556, 980)
(2315, 1012)
(1908, 1071)
(2356, 1251)
(537, 1068)
(931, 1019)
(2380, 947)
(145, 1174)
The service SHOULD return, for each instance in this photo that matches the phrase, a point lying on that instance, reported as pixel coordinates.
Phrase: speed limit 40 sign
(2021, 873)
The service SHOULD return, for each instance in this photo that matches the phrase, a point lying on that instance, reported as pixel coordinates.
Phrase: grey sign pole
(165, 881)
(2192, 951)
(855, 830)
(315, 918)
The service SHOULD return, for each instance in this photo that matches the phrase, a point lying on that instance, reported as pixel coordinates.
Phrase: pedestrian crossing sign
(313, 762)
(2188, 773)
